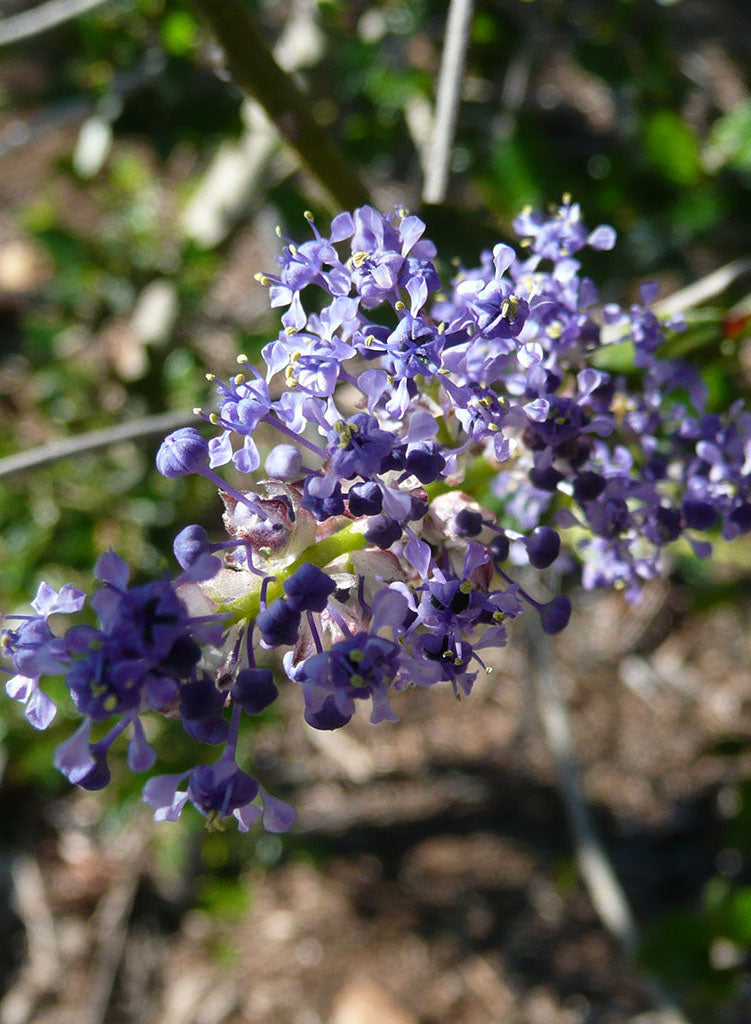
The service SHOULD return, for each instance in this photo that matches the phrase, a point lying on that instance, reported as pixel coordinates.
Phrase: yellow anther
(197, 410)
(489, 671)
(466, 587)
(210, 377)
(309, 216)
(278, 231)
(240, 378)
(357, 680)
(262, 279)
(290, 330)
(441, 327)
(110, 703)
(457, 661)
(493, 427)
(444, 371)
(242, 358)
(214, 822)
(295, 356)
(399, 305)
(356, 656)
(292, 249)
(213, 419)
(567, 197)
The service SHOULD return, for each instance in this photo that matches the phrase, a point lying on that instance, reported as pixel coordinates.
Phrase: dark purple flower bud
(468, 522)
(98, 776)
(279, 624)
(284, 462)
(254, 690)
(588, 486)
(182, 452)
(656, 468)
(741, 517)
(668, 523)
(424, 460)
(183, 655)
(699, 515)
(500, 547)
(419, 508)
(555, 614)
(394, 461)
(323, 507)
(326, 717)
(309, 589)
(543, 547)
(545, 479)
(365, 499)
(189, 545)
(200, 699)
(383, 531)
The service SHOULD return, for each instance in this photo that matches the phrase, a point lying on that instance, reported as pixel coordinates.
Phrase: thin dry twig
(82, 444)
(42, 971)
(705, 288)
(258, 73)
(605, 891)
(39, 19)
(447, 101)
(111, 925)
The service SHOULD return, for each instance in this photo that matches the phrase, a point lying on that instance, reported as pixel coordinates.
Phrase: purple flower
(358, 446)
(361, 667)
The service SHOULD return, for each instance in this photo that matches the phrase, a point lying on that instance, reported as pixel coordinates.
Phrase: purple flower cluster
(358, 559)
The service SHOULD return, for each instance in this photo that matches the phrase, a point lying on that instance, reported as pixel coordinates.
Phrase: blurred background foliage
(139, 194)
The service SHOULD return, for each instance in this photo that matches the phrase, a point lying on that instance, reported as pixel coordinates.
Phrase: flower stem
(319, 554)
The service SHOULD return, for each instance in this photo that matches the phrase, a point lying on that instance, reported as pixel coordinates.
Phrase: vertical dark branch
(256, 71)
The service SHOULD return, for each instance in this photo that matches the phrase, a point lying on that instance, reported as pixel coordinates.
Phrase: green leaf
(179, 33)
(672, 147)
(739, 916)
(729, 141)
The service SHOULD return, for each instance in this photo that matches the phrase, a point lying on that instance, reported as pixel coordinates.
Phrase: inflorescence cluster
(357, 549)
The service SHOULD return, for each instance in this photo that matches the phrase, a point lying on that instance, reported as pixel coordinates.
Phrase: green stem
(350, 538)
(256, 71)
(319, 554)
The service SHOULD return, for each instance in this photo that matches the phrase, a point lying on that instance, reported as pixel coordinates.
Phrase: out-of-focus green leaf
(179, 33)
(729, 143)
(672, 147)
